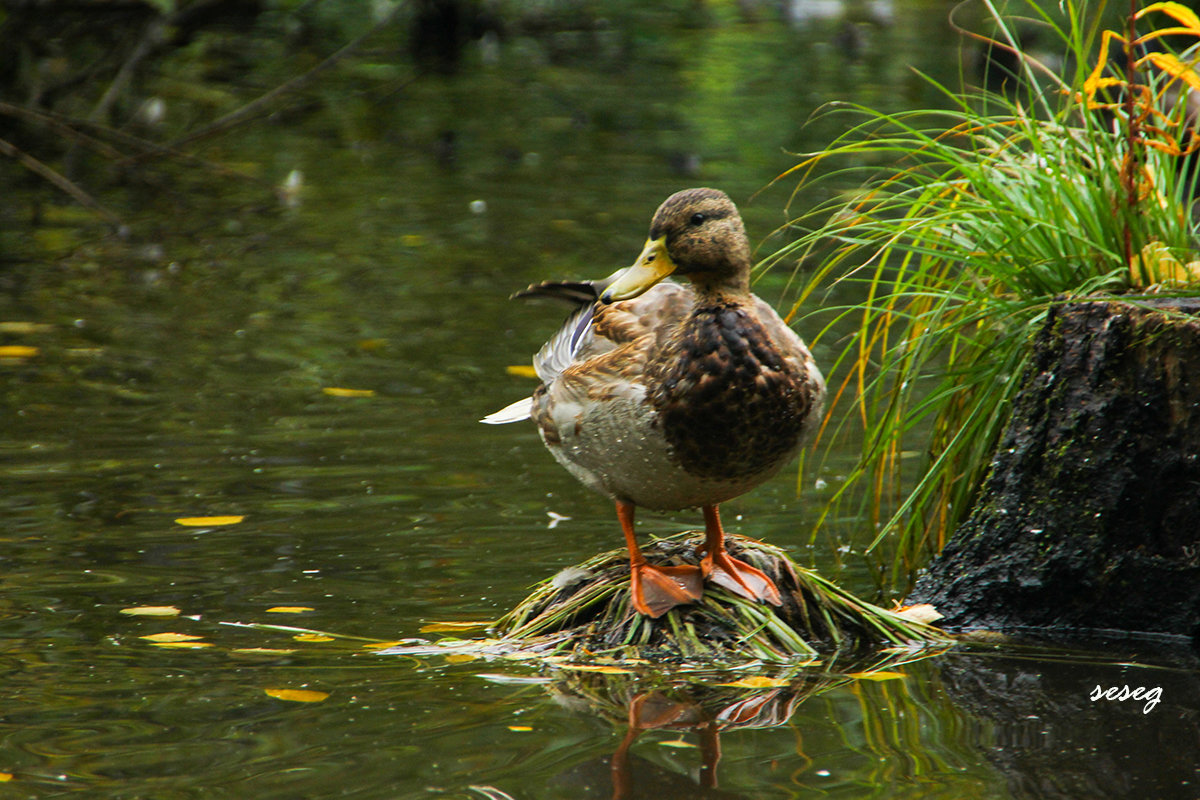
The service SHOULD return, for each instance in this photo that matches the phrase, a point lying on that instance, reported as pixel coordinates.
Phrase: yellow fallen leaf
(681, 743)
(183, 645)
(445, 627)
(338, 391)
(460, 658)
(151, 611)
(24, 327)
(312, 637)
(204, 522)
(522, 371)
(879, 675)
(756, 682)
(297, 695)
(170, 637)
(371, 345)
(5, 777)
(288, 609)
(520, 728)
(601, 668)
(269, 651)
(382, 645)
(18, 351)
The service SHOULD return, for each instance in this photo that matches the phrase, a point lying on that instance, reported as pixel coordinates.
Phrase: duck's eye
(697, 219)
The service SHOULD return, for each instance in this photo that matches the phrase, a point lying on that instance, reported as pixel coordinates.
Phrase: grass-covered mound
(586, 611)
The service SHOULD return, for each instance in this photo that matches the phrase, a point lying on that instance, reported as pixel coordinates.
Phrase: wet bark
(1090, 517)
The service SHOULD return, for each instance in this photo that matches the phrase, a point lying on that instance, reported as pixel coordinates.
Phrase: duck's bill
(651, 267)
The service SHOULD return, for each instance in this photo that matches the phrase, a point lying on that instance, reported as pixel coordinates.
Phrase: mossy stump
(586, 610)
(1090, 517)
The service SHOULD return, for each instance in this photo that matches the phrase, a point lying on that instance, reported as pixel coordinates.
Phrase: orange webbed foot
(656, 590)
(739, 577)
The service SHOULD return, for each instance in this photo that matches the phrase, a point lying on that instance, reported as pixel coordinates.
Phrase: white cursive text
(1151, 696)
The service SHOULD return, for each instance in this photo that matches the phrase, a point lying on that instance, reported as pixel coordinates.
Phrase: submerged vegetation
(1006, 204)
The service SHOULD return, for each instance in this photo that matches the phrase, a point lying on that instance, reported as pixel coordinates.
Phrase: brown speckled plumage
(727, 402)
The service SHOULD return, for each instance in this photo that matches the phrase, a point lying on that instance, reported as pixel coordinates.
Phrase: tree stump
(1090, 516)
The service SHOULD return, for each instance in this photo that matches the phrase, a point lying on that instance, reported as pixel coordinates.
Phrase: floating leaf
(297, 695)
(288, 609)
(756, 682)
(170, 637)
(269, 651)
(513, 680)
(24, 327)
(183, 645)
(521, 371)
(446, 627)
(338, 391)
(205, 522)
(5, 777)
(383, 645)
(460, 658)
(313, 637)
(603, 669)
(151, 611)
(676, 743)
(520, 728)
(878, 675)
(371, 345)
(18, 351)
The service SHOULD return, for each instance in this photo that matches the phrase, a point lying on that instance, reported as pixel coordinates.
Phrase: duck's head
(696, 234)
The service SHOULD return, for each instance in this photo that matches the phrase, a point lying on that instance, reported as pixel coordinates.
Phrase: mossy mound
(585, 610)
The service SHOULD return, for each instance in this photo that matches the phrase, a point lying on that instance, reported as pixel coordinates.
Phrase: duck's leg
(656, 590)
(727, 571)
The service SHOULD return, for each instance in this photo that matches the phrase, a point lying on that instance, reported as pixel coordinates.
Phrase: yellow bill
(651, 267)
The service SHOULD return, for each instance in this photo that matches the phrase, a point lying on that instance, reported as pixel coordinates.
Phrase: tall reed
(992, 211)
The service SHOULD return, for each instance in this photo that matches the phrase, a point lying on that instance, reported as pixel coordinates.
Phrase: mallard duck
(670, 396)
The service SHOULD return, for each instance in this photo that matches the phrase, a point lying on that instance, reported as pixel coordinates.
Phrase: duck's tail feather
(513, 412)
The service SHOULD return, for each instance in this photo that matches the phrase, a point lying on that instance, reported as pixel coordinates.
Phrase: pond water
(316, 368)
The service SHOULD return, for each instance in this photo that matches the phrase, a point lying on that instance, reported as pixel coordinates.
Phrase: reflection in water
(654, 711)
(706, 705)
(705, 711)
(1052, 740)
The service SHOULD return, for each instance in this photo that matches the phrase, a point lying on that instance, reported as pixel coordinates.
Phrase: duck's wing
(591, 337)
(564, 346)
(586, 342)
(789, 344)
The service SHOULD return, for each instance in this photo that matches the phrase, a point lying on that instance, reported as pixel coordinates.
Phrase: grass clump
(993, 211)
(585, 611)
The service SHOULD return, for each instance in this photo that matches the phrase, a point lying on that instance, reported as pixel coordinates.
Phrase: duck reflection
(702, 709)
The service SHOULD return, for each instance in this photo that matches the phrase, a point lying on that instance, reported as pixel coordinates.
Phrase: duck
(669, 395)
